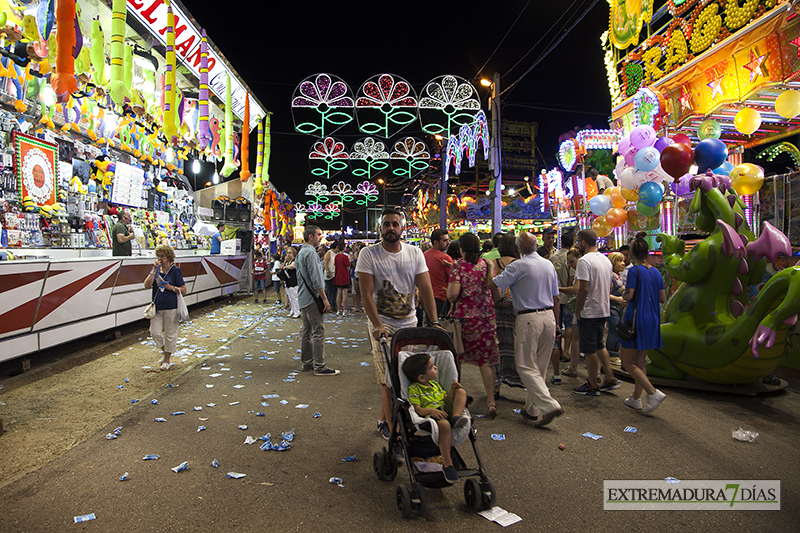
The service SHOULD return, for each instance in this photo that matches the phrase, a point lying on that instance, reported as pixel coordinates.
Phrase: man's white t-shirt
(395, 278)
(595, 268)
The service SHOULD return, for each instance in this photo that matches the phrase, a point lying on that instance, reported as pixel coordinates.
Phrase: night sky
(276, 45)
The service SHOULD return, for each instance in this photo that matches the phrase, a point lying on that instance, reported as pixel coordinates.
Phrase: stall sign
(128, 184)
(36, 169)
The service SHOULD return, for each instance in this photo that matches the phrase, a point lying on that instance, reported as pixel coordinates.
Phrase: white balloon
(658, 175)
(627, 178)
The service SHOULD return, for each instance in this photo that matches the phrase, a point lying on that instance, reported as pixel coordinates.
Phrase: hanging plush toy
(245, 174)
(116, 88)
(228, 167)
(258, 188)
(63, 81)
(45, 16)
(216, 138)
(267, 151)
(97, 55)
(203, 133)
(169, 83)
(127, 69)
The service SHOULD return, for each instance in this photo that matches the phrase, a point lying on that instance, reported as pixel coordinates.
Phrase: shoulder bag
(627, 330)
(150, 310)
(314, 294)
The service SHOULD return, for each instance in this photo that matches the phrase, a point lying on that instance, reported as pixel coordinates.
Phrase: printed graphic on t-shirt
(393, 304)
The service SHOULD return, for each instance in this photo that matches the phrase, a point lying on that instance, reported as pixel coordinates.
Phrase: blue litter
(151, 457)
(498, 436)
(350, 458)
(214, 463)
(84, 518)
(592, 436)
(317, 415)
(629, 429)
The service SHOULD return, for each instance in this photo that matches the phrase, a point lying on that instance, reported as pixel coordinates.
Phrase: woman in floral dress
(474, 305)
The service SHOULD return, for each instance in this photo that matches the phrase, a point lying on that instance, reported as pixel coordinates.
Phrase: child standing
(276, 281)
(428, 399)
(259, 275)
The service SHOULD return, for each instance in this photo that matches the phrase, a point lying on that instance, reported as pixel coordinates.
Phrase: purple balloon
(662, 143)
(682, 186)
(643, 136)
(624, 144)
(630, 156)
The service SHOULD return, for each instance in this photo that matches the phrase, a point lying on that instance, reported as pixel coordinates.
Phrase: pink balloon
(630, 156)
(643, 136)
(624, 144)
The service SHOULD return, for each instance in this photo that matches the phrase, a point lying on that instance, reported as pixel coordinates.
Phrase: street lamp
(383, 185)
(495, 162)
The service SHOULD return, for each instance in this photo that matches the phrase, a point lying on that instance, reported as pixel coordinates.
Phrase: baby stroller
(418, 436)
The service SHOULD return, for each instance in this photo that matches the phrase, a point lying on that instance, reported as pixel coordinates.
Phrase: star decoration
(716, 86)
(685, 98)
(756, 66)
(796, 42)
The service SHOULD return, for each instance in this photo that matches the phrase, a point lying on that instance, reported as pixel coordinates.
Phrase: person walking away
(216, 240)
(645, 288)
(566, 276)
(388, 272)
(329, 264)
(439, 264)
(617, 305)
(276, 280)
(289, 268)
(430, 400)
(592, 309)
(473, 301)
(310, 279)
(357, 307)
(259, 275)
(122, 235)
(505, 316)
(341, 265)
(572, 347)
(166, 280)
(534, 289)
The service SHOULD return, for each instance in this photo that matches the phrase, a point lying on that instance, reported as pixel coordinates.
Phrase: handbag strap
(636, 288)
(307, 284)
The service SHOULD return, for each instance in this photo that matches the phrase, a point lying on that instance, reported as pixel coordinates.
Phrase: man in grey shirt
(309, 278)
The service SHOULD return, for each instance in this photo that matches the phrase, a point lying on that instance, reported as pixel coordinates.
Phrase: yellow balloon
(601, 227)
(747, 178)
(607, 192)
(617, 199)
(747, 120)
(788, 104)
(628, 194)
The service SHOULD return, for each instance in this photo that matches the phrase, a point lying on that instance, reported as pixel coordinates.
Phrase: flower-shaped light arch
(321, 104)
(368, 193)
(385, 104)
(314, 210)
(327, 158)
(409, 157)
(449, 103)
(368, 157)
(319, 191)
(343, 191)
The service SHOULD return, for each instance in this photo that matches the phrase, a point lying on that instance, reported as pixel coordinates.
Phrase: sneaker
(326, 372)
(653, 400)
(586, 390)
(256, 301)
(308, 368)
(633, 403)
(383, 429)
(398, 454)
(459, 421)
(616, 361)
(555, 380)
(450, 474)
(610, 385)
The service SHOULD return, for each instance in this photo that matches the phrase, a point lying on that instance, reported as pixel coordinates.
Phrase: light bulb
(195, 166)
(215, 177)
(110, 121)
(48, 96)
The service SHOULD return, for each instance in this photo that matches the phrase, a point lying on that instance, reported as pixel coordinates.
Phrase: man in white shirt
(592, 309)
(387, 273)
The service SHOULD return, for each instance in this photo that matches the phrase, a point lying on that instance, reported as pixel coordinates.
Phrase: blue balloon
(724, 169)
(600, 204)
(647, 159)
(709, 153)
(650, 194)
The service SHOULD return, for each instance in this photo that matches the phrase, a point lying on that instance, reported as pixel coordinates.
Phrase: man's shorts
(260, 284)
(567, 318)
(591, 332)
(377, 353)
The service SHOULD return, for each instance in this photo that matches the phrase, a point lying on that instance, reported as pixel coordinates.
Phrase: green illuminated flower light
(368, 158)
(449, 103)
(385, 104)
(327, 158)
(409, 157)
(321, 104)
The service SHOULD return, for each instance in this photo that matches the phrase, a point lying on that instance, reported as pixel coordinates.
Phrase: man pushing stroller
(429, 398)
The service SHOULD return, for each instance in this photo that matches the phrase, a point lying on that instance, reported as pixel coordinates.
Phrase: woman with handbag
(167, 282)
(468, 290)
(506, 316)
(290, 273)
(640, 329)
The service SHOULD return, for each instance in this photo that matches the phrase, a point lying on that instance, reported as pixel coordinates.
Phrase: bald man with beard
(534, 291)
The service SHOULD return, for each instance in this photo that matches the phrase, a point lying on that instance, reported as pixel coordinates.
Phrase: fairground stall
(704, 96)
(105, 106)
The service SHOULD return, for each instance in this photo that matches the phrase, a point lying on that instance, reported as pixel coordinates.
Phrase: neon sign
(467, 141)
(385, 104)
(568, 154)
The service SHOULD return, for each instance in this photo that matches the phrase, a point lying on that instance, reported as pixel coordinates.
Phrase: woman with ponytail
(644, 290)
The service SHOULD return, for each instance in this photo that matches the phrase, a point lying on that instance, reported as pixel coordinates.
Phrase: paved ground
(552, 490)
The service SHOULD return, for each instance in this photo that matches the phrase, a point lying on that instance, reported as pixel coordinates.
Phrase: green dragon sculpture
(710, 330)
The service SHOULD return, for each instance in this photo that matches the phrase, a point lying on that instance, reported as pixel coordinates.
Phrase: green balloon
(709, 129)
(647, 210)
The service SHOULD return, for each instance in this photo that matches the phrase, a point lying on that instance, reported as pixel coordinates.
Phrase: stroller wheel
(488, 493)
(419, 498)
(378, 463)
(404, 501)
(472, 494)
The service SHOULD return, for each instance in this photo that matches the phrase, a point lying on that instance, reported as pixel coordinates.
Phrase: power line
(503, 39)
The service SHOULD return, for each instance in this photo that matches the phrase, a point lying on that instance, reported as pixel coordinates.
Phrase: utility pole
(496, 158)
(443, 185)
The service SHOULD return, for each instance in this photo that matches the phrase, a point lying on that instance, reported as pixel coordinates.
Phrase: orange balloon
(629, 194)
(617, 199)
(615, 217)
(601, 227)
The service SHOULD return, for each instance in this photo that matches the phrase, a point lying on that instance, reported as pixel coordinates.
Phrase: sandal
(492, 411)
(570, 372)
(165, 366)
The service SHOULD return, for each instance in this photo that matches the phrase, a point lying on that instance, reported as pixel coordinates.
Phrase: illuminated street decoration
(340, 193)
(315, 210)
(625, 21)
(449, 102)
(321, 104)
(368, 158)
(327, 158)
(367, 192)
(409, 157)
(599, 139)
(785, 147)
(647, 108)
(467, 141)
(568, 154)
(756, 65)
(319, 191)
(385, 104)
(343, 191)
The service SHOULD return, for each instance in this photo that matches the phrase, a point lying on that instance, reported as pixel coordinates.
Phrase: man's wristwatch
(435, 323)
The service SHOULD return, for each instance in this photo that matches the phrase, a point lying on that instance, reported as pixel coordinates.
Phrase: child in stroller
(429, 398)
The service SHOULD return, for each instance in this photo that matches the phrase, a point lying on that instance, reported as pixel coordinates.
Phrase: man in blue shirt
(534, 291)
(216, 240)
(309, 278)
